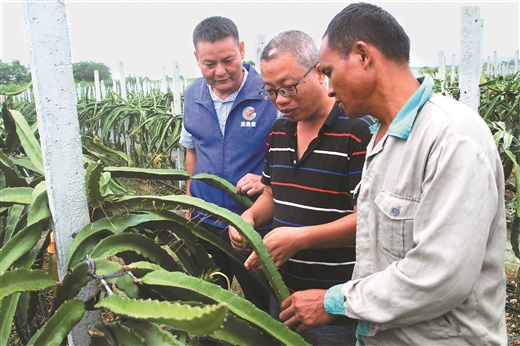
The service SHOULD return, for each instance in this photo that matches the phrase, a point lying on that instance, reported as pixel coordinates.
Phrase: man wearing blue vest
(225, 128)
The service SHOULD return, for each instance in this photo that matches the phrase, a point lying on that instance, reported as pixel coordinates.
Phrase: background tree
(131, 79)
(14, 73)
(83, 71)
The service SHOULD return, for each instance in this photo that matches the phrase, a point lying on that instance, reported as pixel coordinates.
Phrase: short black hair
(215, 29)
(369, 23)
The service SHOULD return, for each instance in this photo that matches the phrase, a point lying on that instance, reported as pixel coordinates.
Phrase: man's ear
(321, 75)
(362, 51)
(241, 49)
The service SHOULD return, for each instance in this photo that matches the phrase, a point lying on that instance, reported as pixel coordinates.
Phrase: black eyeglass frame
(265, 94)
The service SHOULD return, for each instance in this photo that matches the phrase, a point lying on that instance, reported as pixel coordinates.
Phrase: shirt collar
(402, 125)
(233, 96)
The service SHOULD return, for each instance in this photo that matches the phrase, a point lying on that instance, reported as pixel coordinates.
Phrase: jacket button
(395, 211)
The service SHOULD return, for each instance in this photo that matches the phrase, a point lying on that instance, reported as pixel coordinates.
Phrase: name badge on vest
(249, 115)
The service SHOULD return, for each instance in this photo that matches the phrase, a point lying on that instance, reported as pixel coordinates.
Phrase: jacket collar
(401, 126)
(249, 90)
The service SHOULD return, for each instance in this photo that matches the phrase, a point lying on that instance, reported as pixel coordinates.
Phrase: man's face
(283, 71)
(347, 81)
(221, 65)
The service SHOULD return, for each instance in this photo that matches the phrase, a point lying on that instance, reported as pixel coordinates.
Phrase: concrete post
(488, 67)
(441, 74)
(452, 74)
(176, 88)
(516, 61)
(177, 110)
(138, 83)
(29, 95)
(54, 92)
(444, 64)
(96, 85)
(495, 64)
(122, 80)
(259, 47)
(470, 66)
(78, 91)
(114, 85)
(146, 87)
(126, 124)
(164, 84)
(103, 89)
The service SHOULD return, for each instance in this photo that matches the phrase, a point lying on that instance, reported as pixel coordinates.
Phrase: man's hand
(235, 238)
(304, 310)
(249, 185)
(238, 242)
(282, 243)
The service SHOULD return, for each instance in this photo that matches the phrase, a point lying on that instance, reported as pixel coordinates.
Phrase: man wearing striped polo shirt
(314, 159)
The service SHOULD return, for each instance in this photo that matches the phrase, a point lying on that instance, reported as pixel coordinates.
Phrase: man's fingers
(301, 328)
(290, 319)
(286, 304)
(253, 263)
(237, 246)
(235, 239)
(296, 325)
(256, 267)
(237, 242)
(292, 323)
(245, 189)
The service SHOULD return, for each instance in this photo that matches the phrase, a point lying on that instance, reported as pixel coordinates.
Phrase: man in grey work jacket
(226, 123)
(431, 222)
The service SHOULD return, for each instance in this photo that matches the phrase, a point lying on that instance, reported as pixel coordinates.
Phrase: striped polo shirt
(315, 190)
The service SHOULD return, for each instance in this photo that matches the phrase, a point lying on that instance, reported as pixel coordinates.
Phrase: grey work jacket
(431, 234)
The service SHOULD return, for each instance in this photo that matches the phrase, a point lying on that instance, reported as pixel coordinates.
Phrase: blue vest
(241, 150)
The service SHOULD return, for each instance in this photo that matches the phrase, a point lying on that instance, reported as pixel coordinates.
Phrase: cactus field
(148, 275)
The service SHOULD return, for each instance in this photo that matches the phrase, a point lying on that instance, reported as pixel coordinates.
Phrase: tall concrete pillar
(453, 70)
(470, 61)
(177, 88)
(58, 126)
(97, 85)
(122, 80)
(441, 75)
(164, 82)
(516, 61)
(259, 47)
(495, 64)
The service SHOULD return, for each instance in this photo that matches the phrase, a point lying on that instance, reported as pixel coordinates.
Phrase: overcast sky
(147, 35)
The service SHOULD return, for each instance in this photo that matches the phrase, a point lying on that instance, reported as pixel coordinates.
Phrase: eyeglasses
(285, 91)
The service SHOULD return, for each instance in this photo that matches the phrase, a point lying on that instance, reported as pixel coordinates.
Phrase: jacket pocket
(395, 223)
